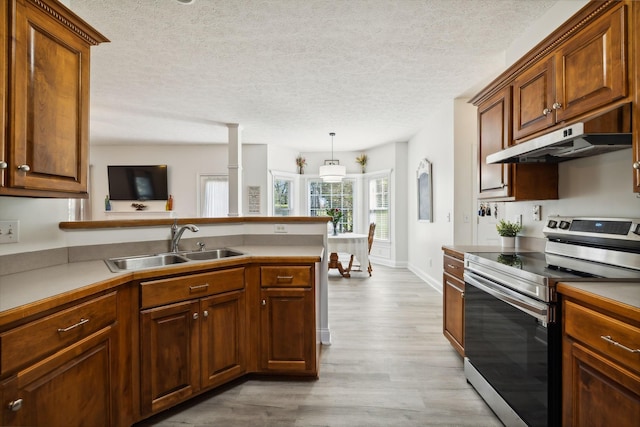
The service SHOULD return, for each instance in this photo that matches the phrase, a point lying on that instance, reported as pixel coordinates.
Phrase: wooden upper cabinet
(508, 181)
(47, 148)
(634, 44)
(591, 68)
(533, 98)
(494, 134)
(586, 72)
(4, 41)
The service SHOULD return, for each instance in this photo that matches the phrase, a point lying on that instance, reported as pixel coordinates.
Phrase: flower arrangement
(335, 214)
(301, 162)
(362, 161)
(508, 229)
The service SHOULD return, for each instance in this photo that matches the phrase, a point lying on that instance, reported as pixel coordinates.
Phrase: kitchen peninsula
(209, 322)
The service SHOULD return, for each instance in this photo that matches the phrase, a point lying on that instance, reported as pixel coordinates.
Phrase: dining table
(356, 245)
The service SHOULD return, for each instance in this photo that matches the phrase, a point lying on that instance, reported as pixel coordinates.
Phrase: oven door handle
(530, 306)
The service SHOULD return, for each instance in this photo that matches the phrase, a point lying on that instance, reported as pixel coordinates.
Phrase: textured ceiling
(290, 71)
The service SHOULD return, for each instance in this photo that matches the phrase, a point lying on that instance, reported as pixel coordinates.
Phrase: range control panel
(621, 228)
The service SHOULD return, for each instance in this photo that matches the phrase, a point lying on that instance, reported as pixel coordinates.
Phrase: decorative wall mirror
(425, 209)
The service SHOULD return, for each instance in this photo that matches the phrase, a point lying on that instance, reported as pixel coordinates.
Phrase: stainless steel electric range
(512, 330)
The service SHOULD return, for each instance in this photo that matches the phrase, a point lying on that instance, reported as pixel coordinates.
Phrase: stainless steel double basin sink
(140, 262)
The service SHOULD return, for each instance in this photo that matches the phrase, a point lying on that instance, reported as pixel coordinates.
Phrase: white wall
(39, 220)
(465, 148)
(425, 239)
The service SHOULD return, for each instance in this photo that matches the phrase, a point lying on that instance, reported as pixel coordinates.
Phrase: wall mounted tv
(138, 182)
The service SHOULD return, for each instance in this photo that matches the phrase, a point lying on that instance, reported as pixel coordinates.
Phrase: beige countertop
(83, 278)
(625, 293)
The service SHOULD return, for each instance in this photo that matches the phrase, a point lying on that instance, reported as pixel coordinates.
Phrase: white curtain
(214, 196)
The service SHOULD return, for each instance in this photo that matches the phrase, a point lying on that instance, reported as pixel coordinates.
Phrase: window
(282, 197)
(379, 206)
(214, 195)
(325, 195)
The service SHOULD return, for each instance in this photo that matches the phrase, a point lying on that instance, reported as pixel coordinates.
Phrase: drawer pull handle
(610, 340)
(198, 288)
(15, 405)
(452, 266)
(285, 278)
(68, 328)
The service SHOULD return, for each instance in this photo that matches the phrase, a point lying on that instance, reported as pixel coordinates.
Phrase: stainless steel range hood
(601, 134)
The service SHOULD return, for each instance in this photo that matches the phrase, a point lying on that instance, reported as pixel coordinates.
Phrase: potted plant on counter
(507, 231)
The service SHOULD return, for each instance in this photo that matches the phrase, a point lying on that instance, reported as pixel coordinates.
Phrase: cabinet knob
(15, 405)
(24, 168)
(195, 316)
(263, 302)
(546, 111)
(205, 313)
(556, 106)
(3, 164)
(636, 165)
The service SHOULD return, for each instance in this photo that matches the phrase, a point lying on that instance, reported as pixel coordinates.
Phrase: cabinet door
(170, 343)
(50, 92)
(597, 391)
(453, 294)
(591, 69)
(223, 338)
(4, 55)
(71, 388)
(288, 330)
(533, 99)
(494, 119)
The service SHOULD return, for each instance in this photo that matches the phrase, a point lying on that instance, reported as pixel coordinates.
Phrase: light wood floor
(388, 365)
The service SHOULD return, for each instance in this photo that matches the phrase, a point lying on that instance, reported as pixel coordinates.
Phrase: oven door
(512, 342)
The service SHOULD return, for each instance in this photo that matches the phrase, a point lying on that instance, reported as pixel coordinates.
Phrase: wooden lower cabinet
(70, 367)
(189, 346)
(288, 335)
(71, 388)
(288, 340)
(223, 353)
(601, 380)
(453, 299)
(169, 353)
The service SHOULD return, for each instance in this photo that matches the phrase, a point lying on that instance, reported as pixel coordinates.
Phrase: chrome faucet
(176, 234)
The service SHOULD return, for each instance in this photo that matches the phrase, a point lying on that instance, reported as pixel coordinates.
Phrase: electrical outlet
(279, 228)
(536, 212)
(9, 231)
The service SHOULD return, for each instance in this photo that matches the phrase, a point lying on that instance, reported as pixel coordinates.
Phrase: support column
(235, 170)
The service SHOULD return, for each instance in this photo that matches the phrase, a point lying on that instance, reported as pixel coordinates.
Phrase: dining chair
(372, 230)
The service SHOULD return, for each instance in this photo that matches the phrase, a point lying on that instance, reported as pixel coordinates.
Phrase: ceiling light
(331, 171)
(185, 1)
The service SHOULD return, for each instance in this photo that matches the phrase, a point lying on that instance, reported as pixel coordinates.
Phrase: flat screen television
(138, 182)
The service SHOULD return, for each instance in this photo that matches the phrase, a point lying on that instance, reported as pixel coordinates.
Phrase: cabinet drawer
(454, 266)
(28, 343)
(286, 276)
(589, 327)
(166, 291)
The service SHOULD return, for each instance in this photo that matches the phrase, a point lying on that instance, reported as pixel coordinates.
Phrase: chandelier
(331, 171)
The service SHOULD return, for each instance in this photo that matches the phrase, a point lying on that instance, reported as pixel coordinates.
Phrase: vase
(335, 229)
(300, 170)
(508, 241)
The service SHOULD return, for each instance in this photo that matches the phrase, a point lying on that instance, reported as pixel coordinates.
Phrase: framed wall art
(425, 194)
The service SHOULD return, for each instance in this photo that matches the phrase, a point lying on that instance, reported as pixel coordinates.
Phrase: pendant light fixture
(331, 171)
